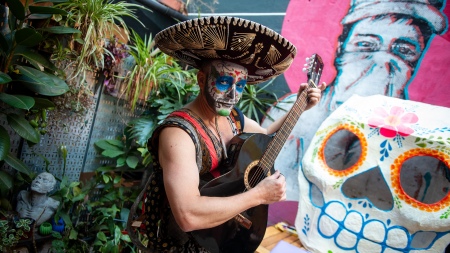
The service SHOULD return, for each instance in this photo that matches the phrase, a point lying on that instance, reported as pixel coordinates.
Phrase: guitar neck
(273, 149)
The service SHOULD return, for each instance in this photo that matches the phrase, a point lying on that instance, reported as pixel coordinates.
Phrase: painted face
(224, 87)
(378, 58)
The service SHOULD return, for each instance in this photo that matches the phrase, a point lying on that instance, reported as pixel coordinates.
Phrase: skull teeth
(351, 231)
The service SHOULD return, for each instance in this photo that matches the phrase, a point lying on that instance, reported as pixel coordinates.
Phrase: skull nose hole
(372, 186)
(425, 179)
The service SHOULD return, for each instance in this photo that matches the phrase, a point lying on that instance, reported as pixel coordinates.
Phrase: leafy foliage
(177, 87)
(25, 72)
(11, 231)
(256, 100)
(94, 211)
(96, 20)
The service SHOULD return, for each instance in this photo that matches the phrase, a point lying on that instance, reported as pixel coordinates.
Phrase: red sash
(206, 138)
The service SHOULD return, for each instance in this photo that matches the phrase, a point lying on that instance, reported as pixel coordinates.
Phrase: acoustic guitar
(250, 159)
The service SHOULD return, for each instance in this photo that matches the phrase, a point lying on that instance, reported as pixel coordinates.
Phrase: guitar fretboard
(274, 147)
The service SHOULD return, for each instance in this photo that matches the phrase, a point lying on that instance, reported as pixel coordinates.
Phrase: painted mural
(396, 48)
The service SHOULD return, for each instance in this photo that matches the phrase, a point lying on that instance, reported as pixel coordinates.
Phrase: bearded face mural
(376, 178)
(381, 47)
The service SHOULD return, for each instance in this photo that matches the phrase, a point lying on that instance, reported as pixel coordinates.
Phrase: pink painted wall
(314, 27)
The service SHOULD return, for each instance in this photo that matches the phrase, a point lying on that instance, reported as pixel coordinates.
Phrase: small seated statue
(35, 204)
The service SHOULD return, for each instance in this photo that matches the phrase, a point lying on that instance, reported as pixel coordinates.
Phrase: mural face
(388, 47)
(377, 57)
(377, 179)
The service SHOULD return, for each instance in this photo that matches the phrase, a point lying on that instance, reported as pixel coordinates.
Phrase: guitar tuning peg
(304, 70)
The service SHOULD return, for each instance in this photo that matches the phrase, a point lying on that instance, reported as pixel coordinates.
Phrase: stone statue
(35, 204)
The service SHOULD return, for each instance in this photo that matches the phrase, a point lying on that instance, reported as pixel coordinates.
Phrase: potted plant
(151, 69)
(97, 21)
(11, 231)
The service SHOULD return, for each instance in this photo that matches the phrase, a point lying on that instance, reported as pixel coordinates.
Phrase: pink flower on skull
(393, 122)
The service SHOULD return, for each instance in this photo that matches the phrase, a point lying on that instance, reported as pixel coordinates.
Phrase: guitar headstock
(313, 68)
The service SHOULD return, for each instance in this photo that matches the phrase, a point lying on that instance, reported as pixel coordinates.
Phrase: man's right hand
(272, 188)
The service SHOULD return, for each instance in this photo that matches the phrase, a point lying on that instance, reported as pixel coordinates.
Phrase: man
(189, 147)
(36, 204)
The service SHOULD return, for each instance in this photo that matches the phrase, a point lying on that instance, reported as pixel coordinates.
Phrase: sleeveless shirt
(163, 232)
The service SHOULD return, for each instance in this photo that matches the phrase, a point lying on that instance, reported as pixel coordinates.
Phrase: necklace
(224, 148)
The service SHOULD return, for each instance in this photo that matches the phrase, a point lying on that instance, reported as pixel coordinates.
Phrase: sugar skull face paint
(225, 85)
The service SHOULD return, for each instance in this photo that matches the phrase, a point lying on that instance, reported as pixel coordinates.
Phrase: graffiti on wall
(396, 48)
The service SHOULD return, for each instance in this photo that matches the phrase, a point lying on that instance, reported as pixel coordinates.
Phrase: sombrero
(264, 52)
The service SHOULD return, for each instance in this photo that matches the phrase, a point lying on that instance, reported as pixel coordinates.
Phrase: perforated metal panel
(111, 119)
(71, 132)
(106, 119)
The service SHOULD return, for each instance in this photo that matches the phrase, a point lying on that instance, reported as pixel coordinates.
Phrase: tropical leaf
(17, 101)
(4, 45)
(112, 153)
(116, 143)
(60, 30)
(120, 162)
(46, 10)
(51, 1)
(132, 161)
(43, 103)
(16, 8)
(21, 126)
(5, 143)
(105, 145)
(41, 82)
(6, 180)
(142, 129)
(4, 78)
(34, 58)
(28, 37)
(17, 164)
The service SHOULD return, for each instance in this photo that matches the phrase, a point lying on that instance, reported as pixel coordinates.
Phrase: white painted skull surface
(376, 178)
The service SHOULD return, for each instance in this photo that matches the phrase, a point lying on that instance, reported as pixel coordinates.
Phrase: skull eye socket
(426, 179)
(420, 177)
(343, 150)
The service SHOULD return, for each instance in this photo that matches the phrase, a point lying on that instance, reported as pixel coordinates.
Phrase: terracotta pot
(177, 5)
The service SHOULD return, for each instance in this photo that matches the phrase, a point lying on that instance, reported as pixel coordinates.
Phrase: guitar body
(244, 152)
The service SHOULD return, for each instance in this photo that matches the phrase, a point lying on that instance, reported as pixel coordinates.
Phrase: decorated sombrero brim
(264, 52)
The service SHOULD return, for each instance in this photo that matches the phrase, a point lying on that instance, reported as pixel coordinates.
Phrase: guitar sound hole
(255, 176)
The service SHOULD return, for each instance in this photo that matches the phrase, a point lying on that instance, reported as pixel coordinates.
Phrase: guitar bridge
(244, 222)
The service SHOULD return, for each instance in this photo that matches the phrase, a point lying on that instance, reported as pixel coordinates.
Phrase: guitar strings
(261, 174)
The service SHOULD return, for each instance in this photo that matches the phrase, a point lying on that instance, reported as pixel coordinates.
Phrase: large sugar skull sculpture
(376, 178)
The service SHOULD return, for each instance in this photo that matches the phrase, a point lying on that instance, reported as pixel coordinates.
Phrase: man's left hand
(314, 94)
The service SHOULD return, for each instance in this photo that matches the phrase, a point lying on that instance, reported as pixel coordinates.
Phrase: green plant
(11, 231)
(27, 81)
(256, 100)
(124, 153)
(97, 20)
(94, 211)
(176, 88)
